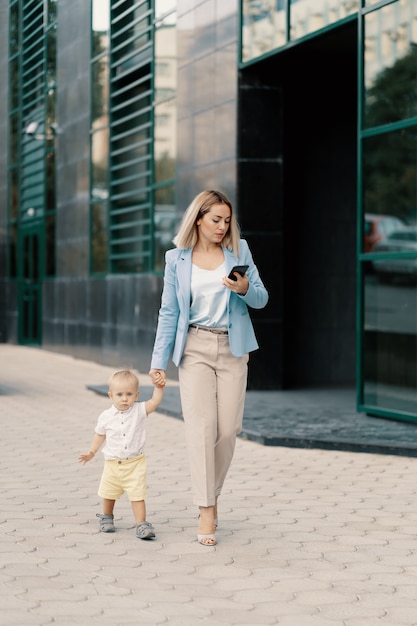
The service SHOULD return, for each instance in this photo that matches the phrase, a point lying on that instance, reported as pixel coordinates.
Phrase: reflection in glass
(264, 27)
(401, 264)
(163, 6)
(99, 237)
(264, 22)
(100, 92)
(99, 134)
(389, 175)
(99, 165)
(51, 58)
(14, 30)
(165, 137)
(390, 68)
(101, 16)
(165, 223)
(389, 341)
(308, 16)
(52, 12)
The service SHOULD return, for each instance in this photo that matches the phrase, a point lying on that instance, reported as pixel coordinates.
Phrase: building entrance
(298, 164)
(320, 200)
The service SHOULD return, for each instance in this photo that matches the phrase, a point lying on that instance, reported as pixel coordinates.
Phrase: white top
(209, 297)
(124, 430)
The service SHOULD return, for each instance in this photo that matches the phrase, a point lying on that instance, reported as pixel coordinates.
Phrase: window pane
(389, 183)
(390, 68)
(389, 340)
(308, 16)
(264, 27)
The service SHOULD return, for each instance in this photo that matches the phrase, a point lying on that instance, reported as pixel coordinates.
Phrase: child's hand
(84, 458)
(158, 378)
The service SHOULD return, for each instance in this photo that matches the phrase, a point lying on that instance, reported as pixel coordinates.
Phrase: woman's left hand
(239, 286)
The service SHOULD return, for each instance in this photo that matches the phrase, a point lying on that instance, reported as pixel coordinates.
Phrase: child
(122, 427)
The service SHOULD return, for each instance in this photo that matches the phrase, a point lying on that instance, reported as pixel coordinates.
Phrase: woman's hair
(187, 234)
(123, 376)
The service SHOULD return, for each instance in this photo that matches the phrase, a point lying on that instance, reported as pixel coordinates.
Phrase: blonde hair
(123, 376)
(187, 234)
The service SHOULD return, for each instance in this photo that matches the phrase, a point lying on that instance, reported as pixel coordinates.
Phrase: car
(399, 241)
(377, 228)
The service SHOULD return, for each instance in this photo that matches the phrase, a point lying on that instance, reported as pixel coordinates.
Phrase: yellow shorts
(128, 475)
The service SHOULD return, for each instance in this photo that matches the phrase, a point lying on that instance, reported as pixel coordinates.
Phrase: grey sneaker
(145, 530)
(106, 523)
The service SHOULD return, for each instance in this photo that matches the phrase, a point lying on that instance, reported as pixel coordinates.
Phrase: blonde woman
(204, 321)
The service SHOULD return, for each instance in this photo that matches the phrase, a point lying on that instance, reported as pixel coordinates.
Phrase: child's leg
(108, 506)
(144, 529)
(106, 518)
(139, 510)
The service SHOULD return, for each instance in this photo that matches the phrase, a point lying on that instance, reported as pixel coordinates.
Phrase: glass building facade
(115, 113)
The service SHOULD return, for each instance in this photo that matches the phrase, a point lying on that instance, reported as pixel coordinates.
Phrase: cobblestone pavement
(307, 537)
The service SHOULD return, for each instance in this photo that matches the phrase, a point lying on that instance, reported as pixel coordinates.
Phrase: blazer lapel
(184, 277)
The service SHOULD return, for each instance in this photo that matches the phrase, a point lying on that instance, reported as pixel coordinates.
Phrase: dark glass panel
(50, 181)
(50, 257)
(99, 237)
(14, 139)
(14, 29)
(389, 342)
(14, 83)
(13, 251)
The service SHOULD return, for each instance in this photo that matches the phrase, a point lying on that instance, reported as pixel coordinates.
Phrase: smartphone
(240, 269)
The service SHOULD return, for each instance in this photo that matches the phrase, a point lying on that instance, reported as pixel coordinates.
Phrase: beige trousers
(212, 388)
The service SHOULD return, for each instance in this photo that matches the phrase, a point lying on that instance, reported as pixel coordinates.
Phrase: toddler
(122, 429)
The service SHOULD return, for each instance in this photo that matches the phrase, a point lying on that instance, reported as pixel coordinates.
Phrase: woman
(204, 318)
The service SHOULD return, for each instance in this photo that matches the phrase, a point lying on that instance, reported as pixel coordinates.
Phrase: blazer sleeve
(167, 317)
(257, 296)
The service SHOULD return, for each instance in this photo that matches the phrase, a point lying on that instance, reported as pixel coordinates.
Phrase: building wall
(5, 304)
(207, 98)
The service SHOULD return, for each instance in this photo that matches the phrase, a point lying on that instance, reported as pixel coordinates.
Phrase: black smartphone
(240, 269)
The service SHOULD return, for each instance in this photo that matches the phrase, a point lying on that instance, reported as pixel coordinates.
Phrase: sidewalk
(307, 537)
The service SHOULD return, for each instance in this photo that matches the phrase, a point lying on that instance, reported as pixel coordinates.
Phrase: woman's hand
(239, 286)
(158, 377)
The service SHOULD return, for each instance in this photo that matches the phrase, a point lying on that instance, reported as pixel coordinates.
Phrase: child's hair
(123, 376)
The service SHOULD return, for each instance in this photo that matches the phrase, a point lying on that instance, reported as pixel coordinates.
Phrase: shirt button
(119, 462)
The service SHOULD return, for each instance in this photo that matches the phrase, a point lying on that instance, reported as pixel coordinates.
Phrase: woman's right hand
(158, 377)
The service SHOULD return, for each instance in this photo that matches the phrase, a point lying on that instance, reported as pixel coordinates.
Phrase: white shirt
(209, 297)
(124, 430)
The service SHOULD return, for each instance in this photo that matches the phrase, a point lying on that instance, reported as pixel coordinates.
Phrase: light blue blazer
(174, 314)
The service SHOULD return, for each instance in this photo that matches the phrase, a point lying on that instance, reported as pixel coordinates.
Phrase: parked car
(377, 228)
(403, 240)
